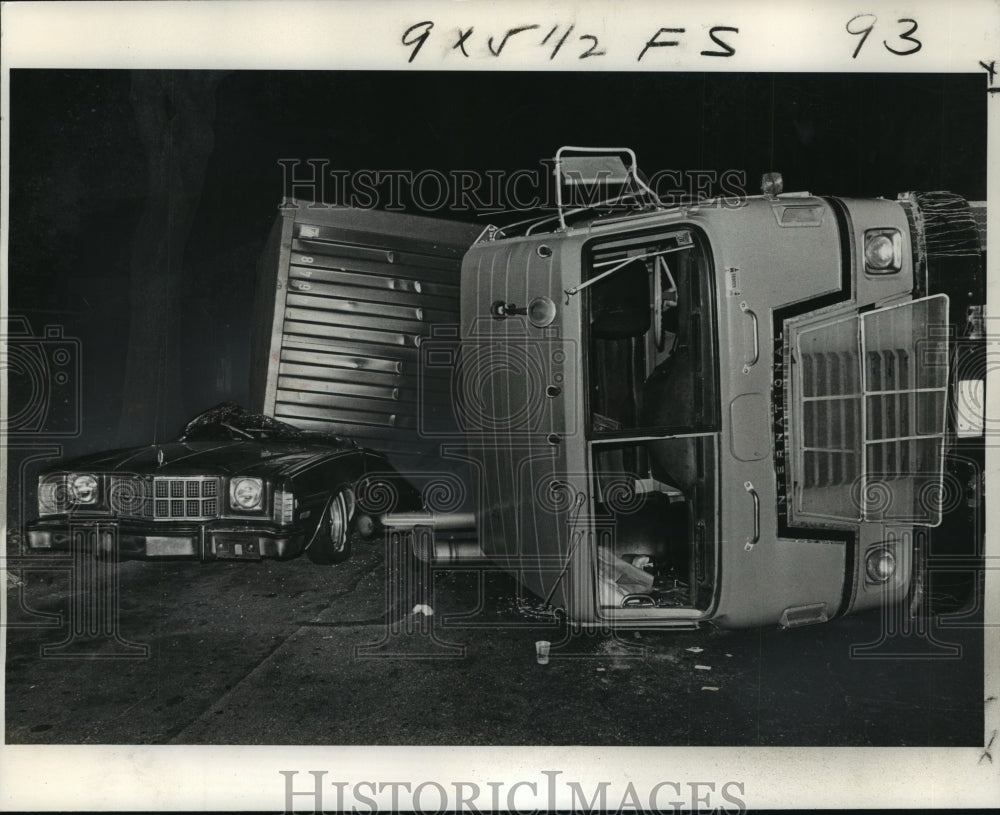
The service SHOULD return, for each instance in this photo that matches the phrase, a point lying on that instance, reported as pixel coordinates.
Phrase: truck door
(515, 389)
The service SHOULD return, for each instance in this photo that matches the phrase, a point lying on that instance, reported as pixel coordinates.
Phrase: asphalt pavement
(293, 653)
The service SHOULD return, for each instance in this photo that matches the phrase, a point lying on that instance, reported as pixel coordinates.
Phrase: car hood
(263, 458)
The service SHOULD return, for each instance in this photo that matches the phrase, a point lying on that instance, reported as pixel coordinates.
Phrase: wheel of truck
(332, 541)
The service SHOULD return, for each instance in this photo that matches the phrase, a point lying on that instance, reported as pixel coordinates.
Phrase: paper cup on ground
(542, 651)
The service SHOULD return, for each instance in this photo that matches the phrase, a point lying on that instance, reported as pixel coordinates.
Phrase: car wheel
(332, 541)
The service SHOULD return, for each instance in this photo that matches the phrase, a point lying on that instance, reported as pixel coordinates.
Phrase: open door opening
(653, 420)
(655, 501)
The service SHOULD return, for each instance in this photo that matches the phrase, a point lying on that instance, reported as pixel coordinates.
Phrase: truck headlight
(883, 251)
(83, 488)
(880, 565)
(246, 493)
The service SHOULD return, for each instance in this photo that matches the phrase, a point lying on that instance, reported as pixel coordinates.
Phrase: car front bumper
(206, 541)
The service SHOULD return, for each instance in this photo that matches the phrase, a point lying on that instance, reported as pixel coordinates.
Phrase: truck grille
(874, 394)
(906, 396)
(831, 405)
(829, 385)
(894, 403)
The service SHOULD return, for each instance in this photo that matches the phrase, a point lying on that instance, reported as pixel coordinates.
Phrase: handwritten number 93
(861, 25)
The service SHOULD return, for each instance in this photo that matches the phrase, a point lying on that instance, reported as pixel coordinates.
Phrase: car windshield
(231, 422)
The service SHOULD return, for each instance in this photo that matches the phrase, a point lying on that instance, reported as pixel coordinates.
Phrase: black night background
(140, 200)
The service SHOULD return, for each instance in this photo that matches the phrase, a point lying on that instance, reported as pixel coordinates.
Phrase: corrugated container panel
(350, 302)
(410, 265)
(367, 273)
(354, 294)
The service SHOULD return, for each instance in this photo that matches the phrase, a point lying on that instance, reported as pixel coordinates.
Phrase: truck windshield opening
(651, 344)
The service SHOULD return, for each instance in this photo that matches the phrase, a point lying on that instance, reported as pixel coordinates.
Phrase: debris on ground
(423, 608)
(709, 687)
(694, 649)
(530, 608)
(703, 667)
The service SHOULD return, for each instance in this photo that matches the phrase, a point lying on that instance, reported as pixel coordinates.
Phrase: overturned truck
(740, 412)
(748, 412)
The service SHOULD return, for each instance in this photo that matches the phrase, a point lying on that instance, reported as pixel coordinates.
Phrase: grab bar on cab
(755, 538)
(755, 355)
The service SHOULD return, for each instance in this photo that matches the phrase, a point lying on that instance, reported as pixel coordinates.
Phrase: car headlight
(246, 493)
(53, 497)
(83, 488)
(883, 251)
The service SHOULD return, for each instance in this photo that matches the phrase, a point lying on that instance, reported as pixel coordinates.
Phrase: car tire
(332, 542)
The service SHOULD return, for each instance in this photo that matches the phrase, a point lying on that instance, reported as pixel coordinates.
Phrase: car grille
(190, 498)
(185, 499)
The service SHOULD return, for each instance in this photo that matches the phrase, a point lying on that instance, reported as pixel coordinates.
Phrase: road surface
(292, 653)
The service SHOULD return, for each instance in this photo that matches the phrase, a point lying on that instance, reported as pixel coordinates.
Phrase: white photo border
(300, 35)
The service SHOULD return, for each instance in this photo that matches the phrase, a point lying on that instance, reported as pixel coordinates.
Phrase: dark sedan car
(234, 485)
